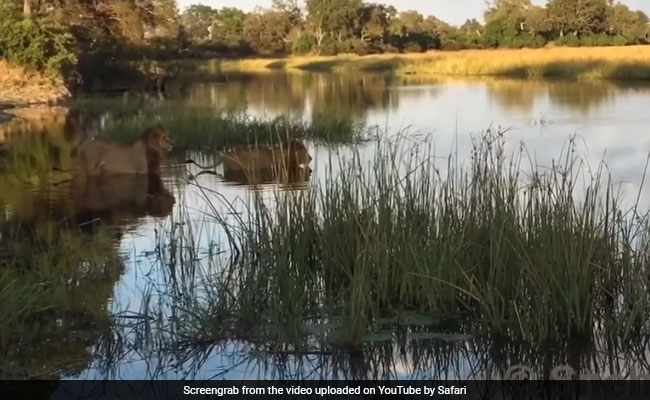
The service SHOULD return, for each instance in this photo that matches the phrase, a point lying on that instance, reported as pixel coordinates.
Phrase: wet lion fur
(287, 156)
(98, 157)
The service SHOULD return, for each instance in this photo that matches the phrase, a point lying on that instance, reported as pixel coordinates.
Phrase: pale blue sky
(453, 11)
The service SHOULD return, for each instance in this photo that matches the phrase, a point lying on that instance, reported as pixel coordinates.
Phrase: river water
(608, 120)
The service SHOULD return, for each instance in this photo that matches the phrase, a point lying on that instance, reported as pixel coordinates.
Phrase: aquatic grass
(532, 255)
(204, 128)
(54, 287)
(505, 260)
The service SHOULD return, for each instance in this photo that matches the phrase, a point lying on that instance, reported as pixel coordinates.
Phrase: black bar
(334, 390)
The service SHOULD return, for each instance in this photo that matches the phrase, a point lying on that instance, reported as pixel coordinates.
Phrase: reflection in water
(56, 279)
(316, 96)
(122, 296)
(116, 199)
(288, 178)
(56, 284)
(579, 96)
(356, 96)
(222, 329)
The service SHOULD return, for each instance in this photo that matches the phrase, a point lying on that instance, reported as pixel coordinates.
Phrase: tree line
(96, 36)
(354, 26)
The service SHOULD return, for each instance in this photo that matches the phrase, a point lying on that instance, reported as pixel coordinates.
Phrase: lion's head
(157, 139)
(298, 153)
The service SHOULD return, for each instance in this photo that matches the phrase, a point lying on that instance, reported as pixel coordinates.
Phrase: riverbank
(19, 86)
(630, 62)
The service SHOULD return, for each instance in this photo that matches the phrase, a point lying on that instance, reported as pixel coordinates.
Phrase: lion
(97, 157)
(289, 155)
(291, 177)
(288, 162)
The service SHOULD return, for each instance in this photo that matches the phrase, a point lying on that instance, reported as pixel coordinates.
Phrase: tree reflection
(311, 95)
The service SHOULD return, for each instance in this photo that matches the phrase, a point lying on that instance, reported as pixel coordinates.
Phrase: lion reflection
(119, 199)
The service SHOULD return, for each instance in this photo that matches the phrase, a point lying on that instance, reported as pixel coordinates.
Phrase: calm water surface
(610, 121)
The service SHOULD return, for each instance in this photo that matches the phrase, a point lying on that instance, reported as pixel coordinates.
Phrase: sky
(452, 11)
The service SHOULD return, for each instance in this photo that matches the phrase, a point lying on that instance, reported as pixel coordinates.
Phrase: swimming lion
(98, 157)
(289, 155)
(288, 162)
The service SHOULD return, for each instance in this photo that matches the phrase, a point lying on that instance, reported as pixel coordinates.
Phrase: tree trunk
(27, 8)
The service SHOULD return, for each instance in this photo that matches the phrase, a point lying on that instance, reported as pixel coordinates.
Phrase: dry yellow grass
(631, 62)
(21, 86)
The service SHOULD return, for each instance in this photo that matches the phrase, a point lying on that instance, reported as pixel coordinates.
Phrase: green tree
(128, 20)
(289, 7)
(26, 42)
(229, 26)
(472, 26)
(332, 19)
(515, 23)
(268, 31)
(580, 17)
(413, 32)
(627, 23)
(165, 21)
(199, 20)
(375, 21)
(537, 20)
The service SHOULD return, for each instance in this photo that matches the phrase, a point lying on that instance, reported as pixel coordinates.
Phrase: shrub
(355, 46)
(569, 40)
(412, 47)
(25, 42)
(389, 48)
(304, 44)
(619, 40)
(452, 45)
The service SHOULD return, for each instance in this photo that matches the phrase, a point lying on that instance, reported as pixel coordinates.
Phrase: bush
(568, 40)
(619, 40)
(412, 47)
(452, 45)
(389, 48)
(355, 46)
(25, 42)
(304, 44)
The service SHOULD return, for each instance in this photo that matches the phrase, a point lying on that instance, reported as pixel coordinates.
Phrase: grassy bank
(19, 85)
(631, 62)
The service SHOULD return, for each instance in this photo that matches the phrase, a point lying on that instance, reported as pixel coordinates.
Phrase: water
(100, 325)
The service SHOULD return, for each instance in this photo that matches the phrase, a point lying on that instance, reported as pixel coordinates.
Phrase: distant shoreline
(19, 87)
(624, 62)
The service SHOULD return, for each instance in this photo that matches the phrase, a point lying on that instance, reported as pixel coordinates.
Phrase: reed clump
(199, 128)
(540, 256)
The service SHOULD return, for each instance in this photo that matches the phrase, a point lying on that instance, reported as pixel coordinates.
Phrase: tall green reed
(528, 252)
